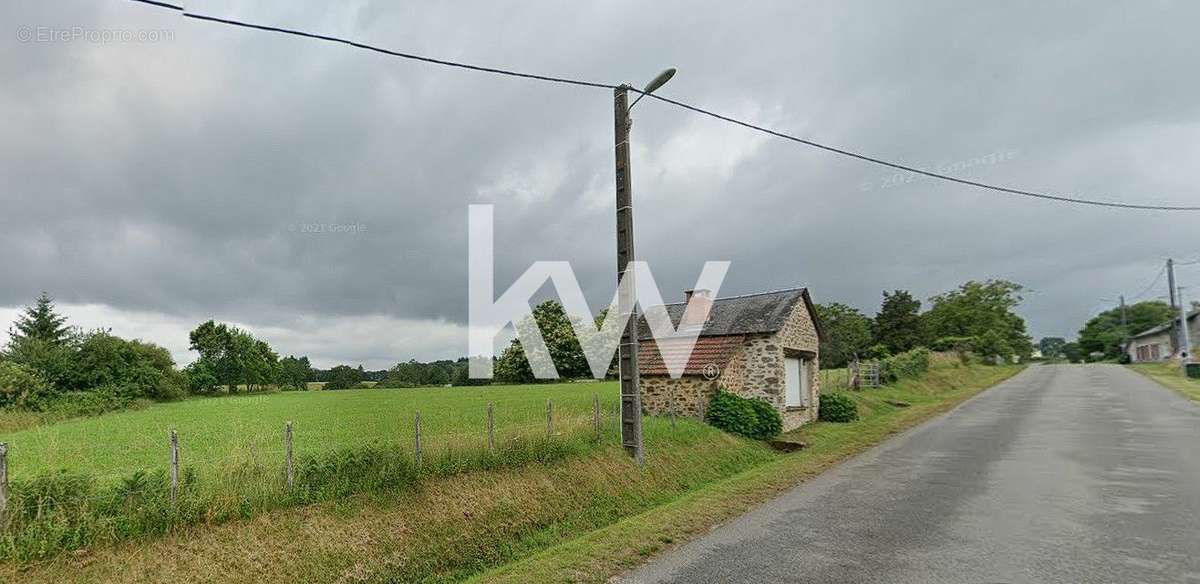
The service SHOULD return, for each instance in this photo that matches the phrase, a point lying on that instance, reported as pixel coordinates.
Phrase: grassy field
(214, 432)
(578, 518)
(1170, 375)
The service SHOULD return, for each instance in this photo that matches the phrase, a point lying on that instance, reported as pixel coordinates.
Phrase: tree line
(1103, 336)
(49, 365)
(978, 317)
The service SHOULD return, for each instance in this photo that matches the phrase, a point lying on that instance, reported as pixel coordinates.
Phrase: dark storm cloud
(215, 173)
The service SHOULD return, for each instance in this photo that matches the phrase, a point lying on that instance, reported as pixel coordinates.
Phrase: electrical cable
(676, 103)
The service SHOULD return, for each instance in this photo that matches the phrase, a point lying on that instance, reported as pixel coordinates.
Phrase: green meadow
(215, 432)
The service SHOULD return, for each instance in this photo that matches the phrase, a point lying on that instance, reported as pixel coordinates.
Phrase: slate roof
(1164, 327)
(730, 321)
(765, 312)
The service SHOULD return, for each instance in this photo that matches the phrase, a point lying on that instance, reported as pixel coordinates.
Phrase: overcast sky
(152, 184)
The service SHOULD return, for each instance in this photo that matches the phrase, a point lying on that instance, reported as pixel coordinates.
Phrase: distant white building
(1156, 345)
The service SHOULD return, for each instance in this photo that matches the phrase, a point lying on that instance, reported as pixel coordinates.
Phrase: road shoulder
(1170, 376)
(610, 551)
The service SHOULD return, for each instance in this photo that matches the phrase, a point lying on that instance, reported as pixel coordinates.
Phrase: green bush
(769, 422)
(752, 418)
(993, 346)
(22, 387)
(912, 363)
(953, 344)
(200, 378)
(104, 399)
(878, 351)
(134, 368)
(837, 407)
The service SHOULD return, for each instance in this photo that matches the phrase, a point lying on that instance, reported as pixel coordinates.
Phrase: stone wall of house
(799, 333)
(756, 370)
(691, 394)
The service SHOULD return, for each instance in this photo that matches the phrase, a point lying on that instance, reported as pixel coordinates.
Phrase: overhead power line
(1162, 270)
(676, 103)
(931, 174)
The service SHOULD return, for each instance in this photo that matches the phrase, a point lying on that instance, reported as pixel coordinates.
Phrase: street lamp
(631, 396)
(654, 84)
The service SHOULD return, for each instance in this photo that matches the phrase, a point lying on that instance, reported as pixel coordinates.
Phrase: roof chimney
(698, 306)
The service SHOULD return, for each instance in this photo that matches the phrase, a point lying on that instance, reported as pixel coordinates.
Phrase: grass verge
(445, 528)
(601, 554)
(1170, 375)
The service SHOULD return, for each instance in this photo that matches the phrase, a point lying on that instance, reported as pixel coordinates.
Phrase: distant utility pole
(1171, 286)
(631, 394)
(1124, 317)
(1185, 342)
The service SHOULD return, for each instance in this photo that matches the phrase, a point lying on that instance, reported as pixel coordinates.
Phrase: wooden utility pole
(1185, 349)
(631, 396)
(1124, 318)
(1175, 343)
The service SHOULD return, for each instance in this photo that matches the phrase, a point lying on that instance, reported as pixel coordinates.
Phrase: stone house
(1155, 344)
(757, 345)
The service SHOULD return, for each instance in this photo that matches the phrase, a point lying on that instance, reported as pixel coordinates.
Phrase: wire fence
(277, 458)
(256, 439)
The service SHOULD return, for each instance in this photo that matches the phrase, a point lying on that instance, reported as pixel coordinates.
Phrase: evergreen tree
(40, 323)
(898, 324)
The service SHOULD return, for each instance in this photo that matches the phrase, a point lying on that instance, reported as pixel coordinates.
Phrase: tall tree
(898, 324)
(566, 352)
(344, 377)
(976, 308)
(294, 372)
(40, 322)
(233, 356)
(847, 333)
(1051, 347)
(1072, 352)
(1105, 334)
(41, 340)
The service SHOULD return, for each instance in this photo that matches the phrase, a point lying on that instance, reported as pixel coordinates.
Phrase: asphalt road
(1062, 474)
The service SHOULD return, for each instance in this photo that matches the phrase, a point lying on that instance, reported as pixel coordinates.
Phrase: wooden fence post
(549, 418)
(288, 434)
(3, 482)
(596, 415)
(491, 429)
(417, 427)
(671, 405)
(174, 468)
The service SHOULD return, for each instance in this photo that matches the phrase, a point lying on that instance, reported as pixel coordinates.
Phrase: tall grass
(60, 511)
